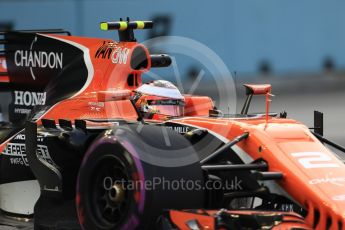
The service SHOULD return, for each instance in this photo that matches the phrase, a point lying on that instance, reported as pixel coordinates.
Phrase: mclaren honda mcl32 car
(87, 136)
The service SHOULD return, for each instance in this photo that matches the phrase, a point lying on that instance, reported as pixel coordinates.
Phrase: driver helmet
(159, 99)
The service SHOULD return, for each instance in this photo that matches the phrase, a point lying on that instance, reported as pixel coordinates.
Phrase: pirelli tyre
(125, 180)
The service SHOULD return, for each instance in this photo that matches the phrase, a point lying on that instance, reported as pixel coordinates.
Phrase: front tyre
(117, 189)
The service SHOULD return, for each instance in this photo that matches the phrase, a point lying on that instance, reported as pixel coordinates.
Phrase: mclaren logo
(29, 98)
(38, 59)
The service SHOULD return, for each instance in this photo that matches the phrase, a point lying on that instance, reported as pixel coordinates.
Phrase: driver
(159, 100)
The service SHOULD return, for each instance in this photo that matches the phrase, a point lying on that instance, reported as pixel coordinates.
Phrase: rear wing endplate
(4, 75)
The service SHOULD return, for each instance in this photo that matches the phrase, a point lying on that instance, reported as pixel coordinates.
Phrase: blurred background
(297, 46)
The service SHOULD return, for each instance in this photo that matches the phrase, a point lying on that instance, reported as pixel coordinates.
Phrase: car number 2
(315, 160)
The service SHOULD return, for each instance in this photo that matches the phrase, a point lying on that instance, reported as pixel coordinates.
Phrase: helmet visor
(169, 110)
(174, 108)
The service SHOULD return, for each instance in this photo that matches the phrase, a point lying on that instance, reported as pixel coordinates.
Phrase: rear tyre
(119, 187)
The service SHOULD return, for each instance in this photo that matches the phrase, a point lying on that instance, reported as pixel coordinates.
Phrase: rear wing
(18, 49)
(5, 78)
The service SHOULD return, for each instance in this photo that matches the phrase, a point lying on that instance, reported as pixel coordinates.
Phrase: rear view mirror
(117, 95)
(257, 89)
(160, 60)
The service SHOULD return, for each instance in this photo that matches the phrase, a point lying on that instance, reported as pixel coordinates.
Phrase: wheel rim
(110, 200)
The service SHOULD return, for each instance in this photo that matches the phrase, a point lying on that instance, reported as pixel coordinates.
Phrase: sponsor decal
(336, 181)
(110, 50)
(96, 106)
(339, 181)
(17, 153)
(179, 129)
(339, 197)
(312, 160)
(119, 56)
(287, 208)
(38, 59)
(22, 111)
(28, 98)
(105, 50)
(20, 137)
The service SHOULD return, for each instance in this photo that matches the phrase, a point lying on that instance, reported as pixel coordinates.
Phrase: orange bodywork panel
(197, 105)
(118, 95)
(92, 109)
(206, 219)
(180, 218)
(4, 79)
(289, 147)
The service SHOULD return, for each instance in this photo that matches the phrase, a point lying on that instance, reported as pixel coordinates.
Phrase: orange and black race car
(90, 146)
